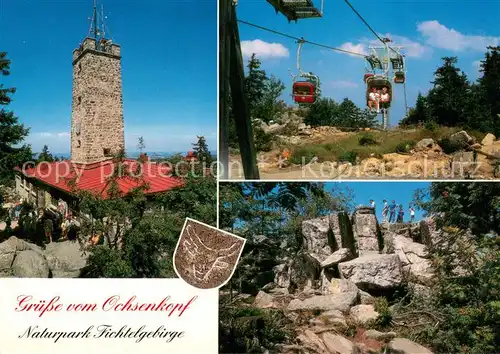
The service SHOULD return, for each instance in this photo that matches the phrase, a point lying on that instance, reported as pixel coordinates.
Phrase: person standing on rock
(385, 211)
(401, 214)
(372, 204)
(392, 211)
(412, 214)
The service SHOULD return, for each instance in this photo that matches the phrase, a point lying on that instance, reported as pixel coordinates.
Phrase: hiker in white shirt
(385, 98)
(373, 100)
(385, 211)
(372, 203)
(412, 214)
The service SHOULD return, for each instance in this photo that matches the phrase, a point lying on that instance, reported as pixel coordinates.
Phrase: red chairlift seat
(367, 76)
(304, 92)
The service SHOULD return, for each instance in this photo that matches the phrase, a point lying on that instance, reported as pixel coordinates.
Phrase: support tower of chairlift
(295, 10)
(306, 86)
(384, 65)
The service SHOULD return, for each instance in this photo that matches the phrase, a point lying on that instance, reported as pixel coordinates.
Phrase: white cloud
(355, 48)
(442, 37)
(342, 84)
(264, 50)
(412, 49)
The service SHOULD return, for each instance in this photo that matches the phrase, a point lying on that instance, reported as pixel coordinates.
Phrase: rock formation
(345, 261)
(21, 259)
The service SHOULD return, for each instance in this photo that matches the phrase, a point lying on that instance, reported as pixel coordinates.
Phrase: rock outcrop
(22, 259)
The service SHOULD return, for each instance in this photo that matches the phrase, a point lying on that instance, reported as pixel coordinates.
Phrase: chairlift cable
(369, 27)
(302, 39)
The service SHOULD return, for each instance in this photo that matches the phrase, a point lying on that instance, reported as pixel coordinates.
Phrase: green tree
(140, 144)
(322, 113)
(419, 114)
(490, 86)
(45, 155)
(12, 133)
(466, 260)
(202, 151)
(449, 94)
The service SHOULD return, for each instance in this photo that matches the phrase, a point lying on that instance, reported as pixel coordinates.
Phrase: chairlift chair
(305, 92)
(295, 10)
(378, 82)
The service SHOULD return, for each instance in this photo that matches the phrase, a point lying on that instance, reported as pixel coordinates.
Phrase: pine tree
(45, 155)
(202, 151)
(450, 93)
(140, 144)
(419, 114)
(490, 85)
(12, 132)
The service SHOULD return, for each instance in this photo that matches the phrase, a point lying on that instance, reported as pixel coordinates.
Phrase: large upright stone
(366, 229)
(373, 271)
(342, 230)
(316, 238)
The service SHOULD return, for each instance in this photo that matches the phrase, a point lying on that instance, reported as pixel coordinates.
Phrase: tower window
(79, 67)
(107, 152)
(79, 99)
(78, 143)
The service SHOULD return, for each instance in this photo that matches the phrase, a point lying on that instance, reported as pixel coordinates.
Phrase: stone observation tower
(97, 114)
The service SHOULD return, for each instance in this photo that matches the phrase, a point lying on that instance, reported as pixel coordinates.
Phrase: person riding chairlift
(373, 100)
(385, 98)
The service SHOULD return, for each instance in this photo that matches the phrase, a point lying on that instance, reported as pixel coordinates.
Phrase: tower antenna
(102, 20)
(96, 31)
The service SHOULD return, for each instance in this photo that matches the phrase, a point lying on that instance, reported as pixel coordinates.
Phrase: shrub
(405, 146)
(249, 330)
(450, 147)
(431, 126)
(367, 139)
(384, 318)
(349, 156)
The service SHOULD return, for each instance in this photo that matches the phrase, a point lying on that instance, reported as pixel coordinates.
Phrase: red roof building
(67, 176)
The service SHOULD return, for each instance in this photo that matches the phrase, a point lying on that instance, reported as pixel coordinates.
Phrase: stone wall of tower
(97, 115)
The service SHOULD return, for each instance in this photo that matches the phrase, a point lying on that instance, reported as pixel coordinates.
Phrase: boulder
(304, 271)
(365, 298)
(30, 264)
(316, 241)
(341, 302)
(381, 336)
(282, 275)
(66, 259)
(332, 286)
(488, 140)
(342, 230)
(406, 346)
(309, 338)
(264, 301)
(424, 144)
(373, 271)
(462, 138)
(342, 255)
(420, 291)
(333, 318)
(338, 344)
(363, 314)
(366, 229)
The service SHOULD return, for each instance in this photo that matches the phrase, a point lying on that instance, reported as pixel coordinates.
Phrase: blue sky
(400, 192)
(429, 30)
(169, 66)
